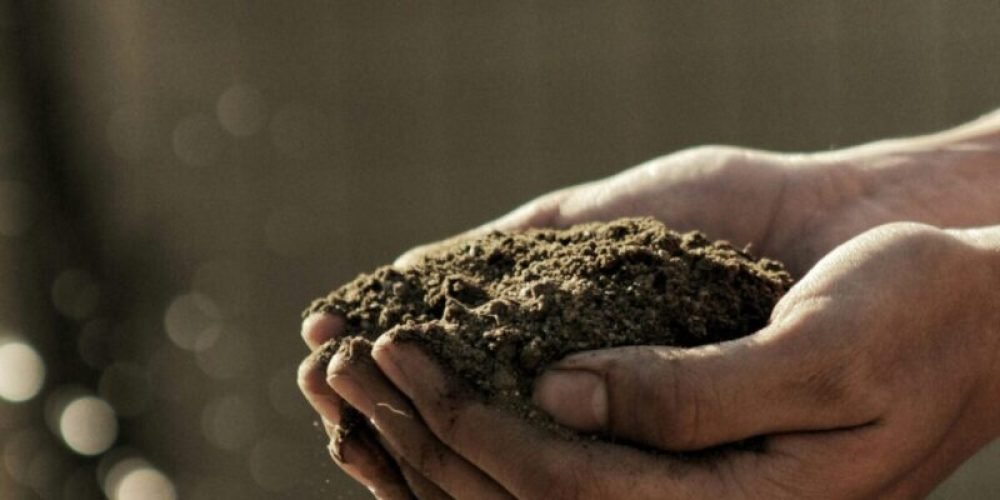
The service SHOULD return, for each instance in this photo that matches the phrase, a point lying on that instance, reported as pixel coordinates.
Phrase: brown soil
(498, 309)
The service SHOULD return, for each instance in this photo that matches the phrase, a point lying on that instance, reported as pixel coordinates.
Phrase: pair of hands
(877, 375)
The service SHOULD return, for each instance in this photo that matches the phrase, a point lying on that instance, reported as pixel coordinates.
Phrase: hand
(792, 207)
(876, 377)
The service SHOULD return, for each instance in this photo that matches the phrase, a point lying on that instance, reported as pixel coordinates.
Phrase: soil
(498, 309)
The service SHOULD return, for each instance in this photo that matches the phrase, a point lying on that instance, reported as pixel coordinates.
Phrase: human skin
(876, 376)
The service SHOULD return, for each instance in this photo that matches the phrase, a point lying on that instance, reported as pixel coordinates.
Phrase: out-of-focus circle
(129, 477)
(226, 283)
(16, 208)
(22, 371)
(284, 395)
(88, 425)
(190, 321)
(229, 356)
(276, 464)
(110, 467)
(299, 132)
(126, 386)
(230, 422)
(145, 483)
(241, 110)
(198, 141)
(75, 294)
(291, 231)
(56, 400)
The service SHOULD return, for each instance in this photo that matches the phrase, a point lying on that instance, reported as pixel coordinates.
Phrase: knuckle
(676, 394)
(682, 419)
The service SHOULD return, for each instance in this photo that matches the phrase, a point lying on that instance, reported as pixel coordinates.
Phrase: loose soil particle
(496, 310)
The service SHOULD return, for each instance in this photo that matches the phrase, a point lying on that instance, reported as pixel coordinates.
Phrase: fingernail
(574, 398)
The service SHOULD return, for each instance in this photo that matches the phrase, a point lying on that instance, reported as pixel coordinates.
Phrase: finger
(421, 487)
(355, 377)
(312, 382)
(867, 461)
(527, 460)
(540, 212)
(318, 328)
(356, 450)
(352, 445)
(779, 380)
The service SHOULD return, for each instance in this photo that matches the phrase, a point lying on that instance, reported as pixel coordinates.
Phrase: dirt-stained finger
(420, 486)
(319, 327)
(531, 462)
(312, 383)
(358, 380)
(355, 448)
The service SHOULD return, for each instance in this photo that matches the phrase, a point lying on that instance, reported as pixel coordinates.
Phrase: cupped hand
(875, 378)
(792, 207)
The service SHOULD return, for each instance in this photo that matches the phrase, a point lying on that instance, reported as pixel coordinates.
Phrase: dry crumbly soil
(496, 310)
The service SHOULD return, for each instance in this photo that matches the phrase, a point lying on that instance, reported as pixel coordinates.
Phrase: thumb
(689, 399)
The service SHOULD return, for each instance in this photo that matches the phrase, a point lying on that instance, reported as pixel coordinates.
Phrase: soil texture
(498, 309)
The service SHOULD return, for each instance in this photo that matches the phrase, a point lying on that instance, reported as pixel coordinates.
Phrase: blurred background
(178, 179)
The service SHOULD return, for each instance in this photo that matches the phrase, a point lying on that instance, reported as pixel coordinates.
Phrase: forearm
(947, 179)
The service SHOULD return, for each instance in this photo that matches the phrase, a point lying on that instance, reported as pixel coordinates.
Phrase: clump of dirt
(496, 310)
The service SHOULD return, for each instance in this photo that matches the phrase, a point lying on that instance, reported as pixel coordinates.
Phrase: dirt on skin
(498, 309)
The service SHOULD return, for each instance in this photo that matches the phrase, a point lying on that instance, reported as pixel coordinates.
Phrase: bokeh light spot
(145, 483)
(133, 478)
(241, 110)
(230, 422)
(228, 356)
(198, 141)
(22, 371)
(88, 425)
(191, 321)
(275, 464)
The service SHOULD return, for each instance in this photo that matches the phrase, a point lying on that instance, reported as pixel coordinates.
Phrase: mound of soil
(498, 309)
